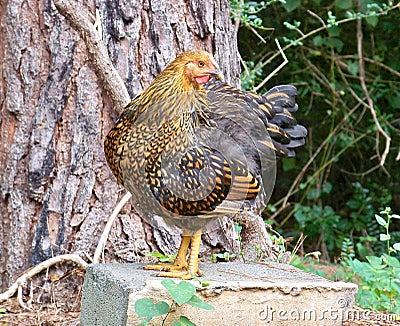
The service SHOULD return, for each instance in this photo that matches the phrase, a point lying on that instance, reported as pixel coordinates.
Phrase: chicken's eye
(201, 64)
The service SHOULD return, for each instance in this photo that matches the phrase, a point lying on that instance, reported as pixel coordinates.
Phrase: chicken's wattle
(202, 79)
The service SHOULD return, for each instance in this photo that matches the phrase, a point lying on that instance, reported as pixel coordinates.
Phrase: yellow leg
(193, 265)
(180, 260)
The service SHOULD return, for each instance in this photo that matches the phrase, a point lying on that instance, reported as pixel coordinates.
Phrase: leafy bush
(348, 169)
(379, 276)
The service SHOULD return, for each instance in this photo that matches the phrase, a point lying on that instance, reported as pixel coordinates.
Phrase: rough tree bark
(56, 190)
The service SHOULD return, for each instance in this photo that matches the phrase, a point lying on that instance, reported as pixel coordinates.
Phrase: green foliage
(162, 257)
(181, 293)
(224, 256)
(347, 250)
(380, 275)
(345, 147)
(147, 309)
(248, 11)
(183, 321)
(385, 222)
(319, 220)
(351, 108)
(379, 283)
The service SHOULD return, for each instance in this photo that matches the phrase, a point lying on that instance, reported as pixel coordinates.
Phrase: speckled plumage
(185, 149)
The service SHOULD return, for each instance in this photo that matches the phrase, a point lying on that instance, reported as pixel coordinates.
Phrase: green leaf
(145, 307)
(344, 4)
(291, 5)
(380, 220)
(396, 246)
(353, 67)
(181, 292)
(288, 164)
(384, 237)
(195, 301)
(334, 31)
(395, 216)
(238, 228)
(392, 261)
(376, 262)
(183, 321)
(204, 282)
(372, 20)
(317, 40)
(327, 188)
(337, 44)
(163, 258)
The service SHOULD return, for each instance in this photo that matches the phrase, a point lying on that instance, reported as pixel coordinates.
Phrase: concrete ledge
(242, 294)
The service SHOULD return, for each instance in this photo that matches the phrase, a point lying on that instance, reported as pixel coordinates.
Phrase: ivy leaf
(183, 321)
(145, 307)
(181, 292)
(195, 301)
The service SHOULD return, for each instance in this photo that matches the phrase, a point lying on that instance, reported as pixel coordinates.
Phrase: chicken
(191, 148)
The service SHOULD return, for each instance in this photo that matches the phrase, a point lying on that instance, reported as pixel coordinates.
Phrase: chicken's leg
(181, 268)
(180, 260)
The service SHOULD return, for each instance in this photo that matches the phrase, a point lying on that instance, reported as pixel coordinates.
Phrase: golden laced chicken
(191, 148)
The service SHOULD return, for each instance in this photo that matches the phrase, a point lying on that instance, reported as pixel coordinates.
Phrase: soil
(53, 298)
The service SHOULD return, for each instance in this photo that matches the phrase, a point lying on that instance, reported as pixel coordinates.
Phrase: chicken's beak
(217, 73)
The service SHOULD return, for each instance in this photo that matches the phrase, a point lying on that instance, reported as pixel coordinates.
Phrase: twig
(285, 61)
(296, 248)
(278, 211)
(312, 158)
(104, 236)
(367, 95)
(318, 17)
(80, 20)
(379, 64)
(246, 69)
(256, 33)
(21, 281)
(346, 20)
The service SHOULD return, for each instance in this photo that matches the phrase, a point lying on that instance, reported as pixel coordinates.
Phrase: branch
(104, 236)
(81, 21)
(21, 281)
(312, 158)
(285, 61)
(346, 20)
(367, 95)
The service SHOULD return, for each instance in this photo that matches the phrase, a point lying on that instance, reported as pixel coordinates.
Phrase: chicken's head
(199, 66)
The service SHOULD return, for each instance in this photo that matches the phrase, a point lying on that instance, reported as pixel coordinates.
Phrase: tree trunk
(57, 191)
